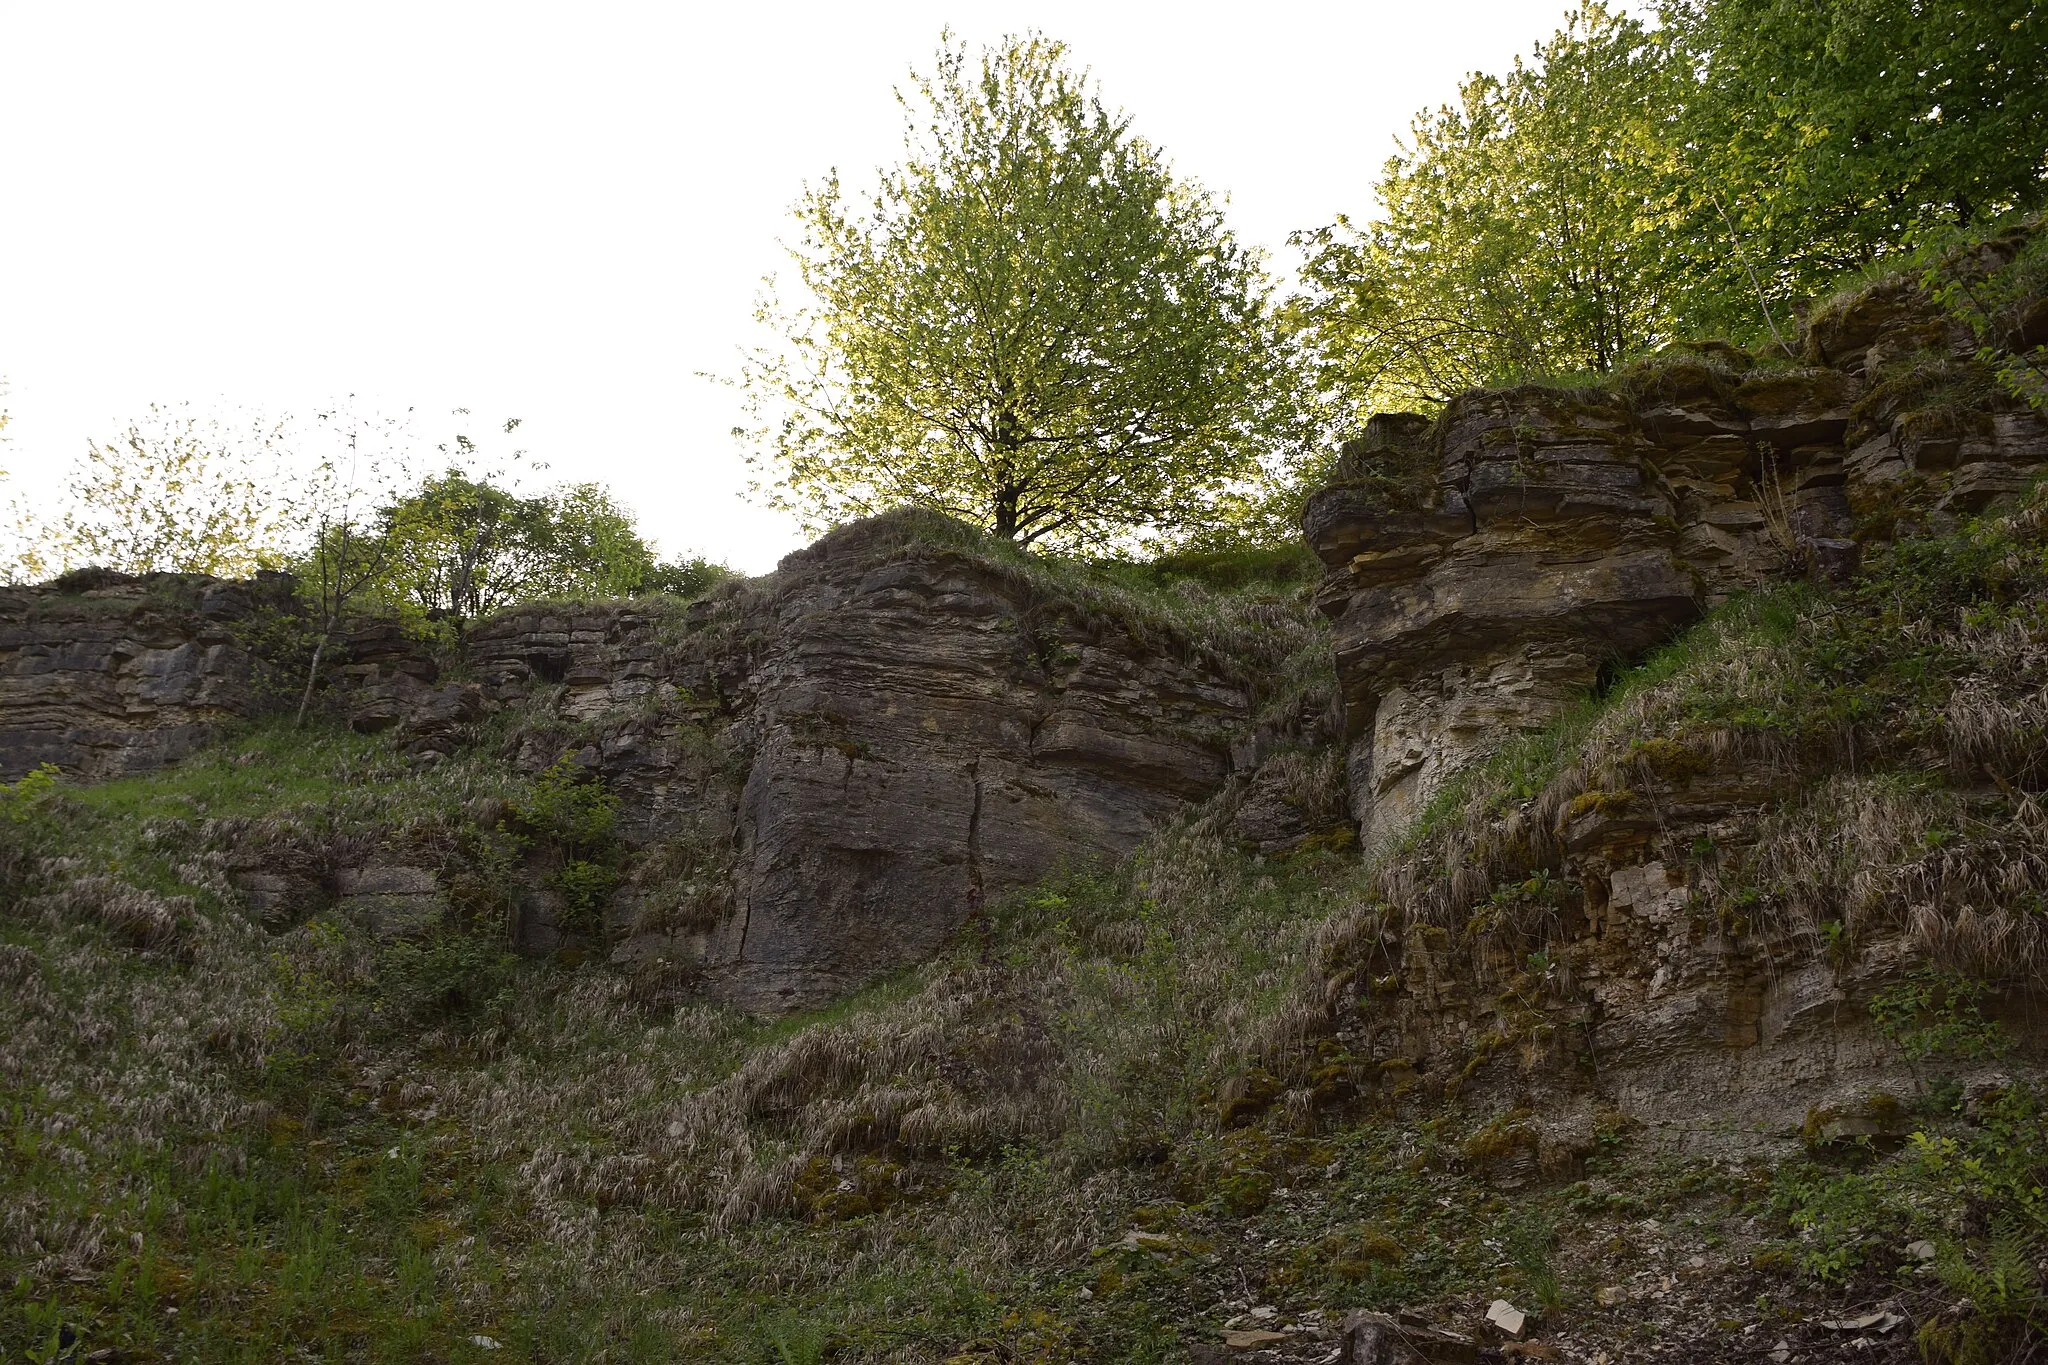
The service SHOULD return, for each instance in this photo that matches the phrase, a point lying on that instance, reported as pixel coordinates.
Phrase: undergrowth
(1066, 1139)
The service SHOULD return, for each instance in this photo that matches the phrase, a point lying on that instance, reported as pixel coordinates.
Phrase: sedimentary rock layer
(103, 674)
(1485, 567)
(851, 756)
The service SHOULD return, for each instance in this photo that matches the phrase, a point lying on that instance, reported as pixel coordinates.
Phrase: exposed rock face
(843, 762)
(389, 682)
(1631, 991)
(821, 775)
(392, 902)
(1576, 950)
(103, 674)
(1529, 537)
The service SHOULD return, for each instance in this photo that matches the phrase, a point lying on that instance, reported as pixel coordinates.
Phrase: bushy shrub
(571, 820)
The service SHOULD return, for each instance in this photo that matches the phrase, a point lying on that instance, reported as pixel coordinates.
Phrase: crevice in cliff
(977, 911)
(974, 881)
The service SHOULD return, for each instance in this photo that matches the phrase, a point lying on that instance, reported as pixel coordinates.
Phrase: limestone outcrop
(1615, 980)
(836, 767)
(1600, 944)
(820, 775)
(103, 674)
(1485, 567)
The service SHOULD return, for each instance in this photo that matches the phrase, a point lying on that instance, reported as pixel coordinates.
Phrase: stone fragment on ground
(1507, 1317)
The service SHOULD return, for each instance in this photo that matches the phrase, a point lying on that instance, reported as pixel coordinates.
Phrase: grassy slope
(222, 1144)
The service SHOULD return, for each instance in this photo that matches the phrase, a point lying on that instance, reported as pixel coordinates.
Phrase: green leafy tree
(461, 547)
(1840, 130)
(178, 491)
(690, 576)
(595, 546)
(1628, 186)
(1031, 323)
(1529, 228)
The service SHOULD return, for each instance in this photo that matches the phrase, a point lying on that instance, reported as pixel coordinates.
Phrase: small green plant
(1528, 1243)
(2001, 1310)
(23, 804)
(446, 976)
(569, 806)
(49, 1338)
(586, 887)
(794, 1339)
(20, 800)
(1938, 1013)
(574, 819)
(1990, 287)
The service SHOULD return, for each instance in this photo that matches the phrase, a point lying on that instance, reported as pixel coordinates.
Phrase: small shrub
(569, 807)
(23, 806)
(446, 977)
(1937, 1013)
(573, 819)
(22, 799)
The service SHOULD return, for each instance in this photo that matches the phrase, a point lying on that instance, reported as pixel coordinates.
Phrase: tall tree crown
(1030, 323)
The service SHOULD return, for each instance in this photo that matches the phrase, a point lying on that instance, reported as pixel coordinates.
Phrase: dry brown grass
(1869, 763)
(1001, 1105)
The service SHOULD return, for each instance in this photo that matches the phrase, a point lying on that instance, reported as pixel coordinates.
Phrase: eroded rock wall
(1530, 537)
(839, 766)
(106, 674)
(821, 775)
(1593, 947)
(1624, 979)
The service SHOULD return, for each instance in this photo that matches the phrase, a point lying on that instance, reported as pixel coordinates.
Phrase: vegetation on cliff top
(1632, 185)
(1031, 324)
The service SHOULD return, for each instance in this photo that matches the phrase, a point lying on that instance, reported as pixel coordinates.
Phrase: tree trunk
(1009, 438)
(312, 673)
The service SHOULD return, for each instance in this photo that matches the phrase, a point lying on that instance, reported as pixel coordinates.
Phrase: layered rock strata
(836, 767)
(1583, 950)
(1608, 979)
(1485, 568)
(821, 775)
(103, 674)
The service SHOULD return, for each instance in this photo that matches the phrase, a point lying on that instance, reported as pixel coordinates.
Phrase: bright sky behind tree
(563, 212)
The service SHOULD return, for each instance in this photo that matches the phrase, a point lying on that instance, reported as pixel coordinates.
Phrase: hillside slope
(1693, 1006)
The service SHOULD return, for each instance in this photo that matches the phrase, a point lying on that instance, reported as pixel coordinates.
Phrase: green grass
(1688, 678)
(380, 1151)
(259, 771)
(271, 1209)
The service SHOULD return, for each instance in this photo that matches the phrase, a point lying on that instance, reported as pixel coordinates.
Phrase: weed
(571, 820)
(1529, 1240)
(1937, 1013)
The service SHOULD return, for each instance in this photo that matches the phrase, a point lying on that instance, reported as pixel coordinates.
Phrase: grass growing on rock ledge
(256, 1141)
(1249, 605)
(1895, 727)
(1069, 1139)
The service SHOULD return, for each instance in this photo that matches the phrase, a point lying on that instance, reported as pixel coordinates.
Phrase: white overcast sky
(563, 212)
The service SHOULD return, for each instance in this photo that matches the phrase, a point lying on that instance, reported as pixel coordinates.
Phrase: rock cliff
(103, 674)
(1687, 914)
(1730, 972)
(820, 775)
(835, 767)
(1486, 567)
